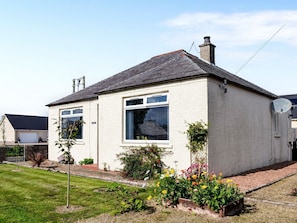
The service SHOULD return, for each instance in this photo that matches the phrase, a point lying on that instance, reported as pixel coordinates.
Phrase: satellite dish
(281, 105)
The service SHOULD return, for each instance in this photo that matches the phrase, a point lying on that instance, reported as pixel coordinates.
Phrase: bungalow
(152, 102)
(30, 132)
(23, 129)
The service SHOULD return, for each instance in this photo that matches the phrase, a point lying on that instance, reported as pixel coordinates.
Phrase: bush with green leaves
(197, 135)
(169, 188)
(142, 162)
(196, 184)
(86, 161)
(129, 200)
(16, 150)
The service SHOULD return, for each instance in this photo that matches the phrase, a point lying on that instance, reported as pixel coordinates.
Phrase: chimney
(207, 50)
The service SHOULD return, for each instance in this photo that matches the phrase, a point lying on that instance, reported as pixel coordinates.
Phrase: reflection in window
(145, 121)
(69, 118)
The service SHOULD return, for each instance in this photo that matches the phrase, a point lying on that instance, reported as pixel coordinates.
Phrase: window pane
(147, 124)
(66, 112)
(77, 111)
(134, 102)
(155, 99)
(68, 122)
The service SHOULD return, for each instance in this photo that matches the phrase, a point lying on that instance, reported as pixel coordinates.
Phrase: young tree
(67, 132)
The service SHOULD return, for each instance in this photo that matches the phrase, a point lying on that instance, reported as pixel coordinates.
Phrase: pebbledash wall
(85, 147)
(187, 103)
(244, 132)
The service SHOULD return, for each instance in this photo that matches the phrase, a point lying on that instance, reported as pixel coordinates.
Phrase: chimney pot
(206, 39)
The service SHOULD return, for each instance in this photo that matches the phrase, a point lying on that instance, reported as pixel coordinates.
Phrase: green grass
(33, 195)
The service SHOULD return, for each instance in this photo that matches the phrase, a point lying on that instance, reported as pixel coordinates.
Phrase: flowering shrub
(142, 162)
(196, 184)
(169, 188)
(213, 191)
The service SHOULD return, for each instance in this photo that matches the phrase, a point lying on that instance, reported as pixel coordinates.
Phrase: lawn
(35, 195)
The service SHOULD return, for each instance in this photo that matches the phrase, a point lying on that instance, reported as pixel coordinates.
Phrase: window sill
(138, 143)
(79, 142)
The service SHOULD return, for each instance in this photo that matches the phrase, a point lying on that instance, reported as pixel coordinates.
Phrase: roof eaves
(258, 91)
(71, 101)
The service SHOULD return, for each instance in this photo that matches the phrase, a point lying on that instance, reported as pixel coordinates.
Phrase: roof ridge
(172, 52)
(38, 116)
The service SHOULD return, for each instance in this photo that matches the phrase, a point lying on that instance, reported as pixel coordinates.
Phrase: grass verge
(35, 195)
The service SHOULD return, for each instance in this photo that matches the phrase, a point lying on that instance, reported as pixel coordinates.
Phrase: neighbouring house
(24, 130)
(152, 102)
(293, 99)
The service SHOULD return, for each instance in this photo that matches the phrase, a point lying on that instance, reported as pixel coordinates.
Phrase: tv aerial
(281, 105)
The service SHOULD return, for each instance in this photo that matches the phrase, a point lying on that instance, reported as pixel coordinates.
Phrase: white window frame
(145, 104)
(73, 113)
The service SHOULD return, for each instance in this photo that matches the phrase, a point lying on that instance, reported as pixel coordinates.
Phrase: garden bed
(230, 209)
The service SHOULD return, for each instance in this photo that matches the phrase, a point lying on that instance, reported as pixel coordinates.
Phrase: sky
(46, 44)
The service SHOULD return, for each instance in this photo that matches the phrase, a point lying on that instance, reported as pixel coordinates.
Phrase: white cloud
(235, 29)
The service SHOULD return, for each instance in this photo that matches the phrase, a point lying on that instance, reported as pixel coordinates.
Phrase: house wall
(242, 131)
(187, 104)
(85, 148)
(294, 123)
(40, 134)
(9, 132)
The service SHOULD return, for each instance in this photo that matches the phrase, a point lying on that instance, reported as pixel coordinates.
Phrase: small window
(77, 111)
(66, 112)
(156, 99)
(138, 101)
(72, 117)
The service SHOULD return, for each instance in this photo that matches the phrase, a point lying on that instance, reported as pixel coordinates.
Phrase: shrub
(36, 157)
(128, 200)
(142, 162)
(196, 184)
(14, 151)
(86, 161)
(197, 135)
(213, 192)
(169, 188)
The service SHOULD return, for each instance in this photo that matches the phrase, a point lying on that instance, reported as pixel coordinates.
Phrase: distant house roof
(293, 99)
(26, 122)
(171, 67)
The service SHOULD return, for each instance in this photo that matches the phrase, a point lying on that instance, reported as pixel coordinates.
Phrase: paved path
(248, 181)
(261, 177)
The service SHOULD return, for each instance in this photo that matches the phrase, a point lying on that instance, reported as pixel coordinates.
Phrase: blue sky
(45, 44)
